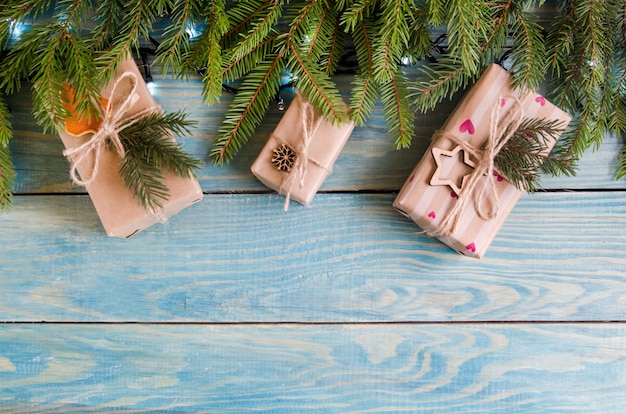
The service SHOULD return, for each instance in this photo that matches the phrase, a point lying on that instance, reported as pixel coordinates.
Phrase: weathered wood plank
(348, 257)
(369, 161)
(573, 368)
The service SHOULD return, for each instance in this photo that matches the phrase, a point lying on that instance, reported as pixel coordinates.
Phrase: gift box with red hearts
(119, 211)
(300, 153)
(449, 194)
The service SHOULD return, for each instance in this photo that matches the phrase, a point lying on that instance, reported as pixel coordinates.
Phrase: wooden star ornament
(454, 176)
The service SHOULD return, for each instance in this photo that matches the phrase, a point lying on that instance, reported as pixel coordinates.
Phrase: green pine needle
(398, 115)
(150, 151)
(526, 154)
(248, 108)
(7, 173)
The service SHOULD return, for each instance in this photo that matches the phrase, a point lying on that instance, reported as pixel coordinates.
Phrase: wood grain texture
(348, 257)
(236, 306)
(572, 368)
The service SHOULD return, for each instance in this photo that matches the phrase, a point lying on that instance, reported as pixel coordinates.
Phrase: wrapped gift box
(435, 185)
(119, 211)
(300, 153)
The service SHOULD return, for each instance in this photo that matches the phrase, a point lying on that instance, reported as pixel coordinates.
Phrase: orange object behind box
(433, 188)
(120, 213)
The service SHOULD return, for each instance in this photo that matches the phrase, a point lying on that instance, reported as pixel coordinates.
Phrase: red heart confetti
(432, 215)
(467, 126)
(471, 247)
(411, 178)
(500, 178)
(502, 102)
(541, 100)
(453, 194)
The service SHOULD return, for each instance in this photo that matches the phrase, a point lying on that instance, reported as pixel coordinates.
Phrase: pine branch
(363, 98)
(215, 29)
(528, 49)
(420, 43)
(437, 10)
(316, 87)
(364, 88)
(438, 81)
(7, 173)
(398, 115)
(262, 24)
(175, 41)
(248, 108)
(465, 32)
(359, 11)
(621, 164)
(526, 154)
(241, 16)
(448, 75)
(138, 18)
(336, 42)
(108, 17)
(392, 39)
(150, 151)
(240, 67)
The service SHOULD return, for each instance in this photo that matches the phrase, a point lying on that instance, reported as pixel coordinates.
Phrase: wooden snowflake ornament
(284, 158)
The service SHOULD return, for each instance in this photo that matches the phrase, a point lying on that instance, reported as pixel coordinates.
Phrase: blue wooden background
(234, 305)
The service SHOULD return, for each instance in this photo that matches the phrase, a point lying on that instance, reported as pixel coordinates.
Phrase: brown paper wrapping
(120, 213)
(327, 141)
(428, 204)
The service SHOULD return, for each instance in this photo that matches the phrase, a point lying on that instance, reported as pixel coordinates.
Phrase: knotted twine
(114, 120)
(310, 123)
(480, 187)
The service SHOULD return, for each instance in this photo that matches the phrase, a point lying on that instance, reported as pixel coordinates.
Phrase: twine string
(310, 123)
(114, 120)
(480, 188)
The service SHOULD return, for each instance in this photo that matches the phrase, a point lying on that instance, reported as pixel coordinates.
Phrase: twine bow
(480, 187)
(114, 120)
(310, 123)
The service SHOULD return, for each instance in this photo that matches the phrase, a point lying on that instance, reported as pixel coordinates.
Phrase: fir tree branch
(151, 151)
(262, 24)
(526, 154)
(239, 67)
(215, 29)
(336, 43)
(248, 108)
(397, 113)
(621, 164)
(7, 173)
(392, 39)
(317, 87)
(465, 32)
(108, 17)
(138, 18)
(437, 10)
(175, 41)
(357, 12)
(438, 81)
(241, 16)
(363, 98)
(528, 49)
(364, 88)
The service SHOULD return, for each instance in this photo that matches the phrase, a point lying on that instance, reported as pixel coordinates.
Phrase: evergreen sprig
(7, 172)
(526, 154)
(151, 151)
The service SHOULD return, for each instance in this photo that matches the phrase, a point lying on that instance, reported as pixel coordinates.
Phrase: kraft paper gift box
(431, 193)
(119, 211)
(300, 153)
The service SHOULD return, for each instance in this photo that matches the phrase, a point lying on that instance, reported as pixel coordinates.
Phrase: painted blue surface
(234, 305)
